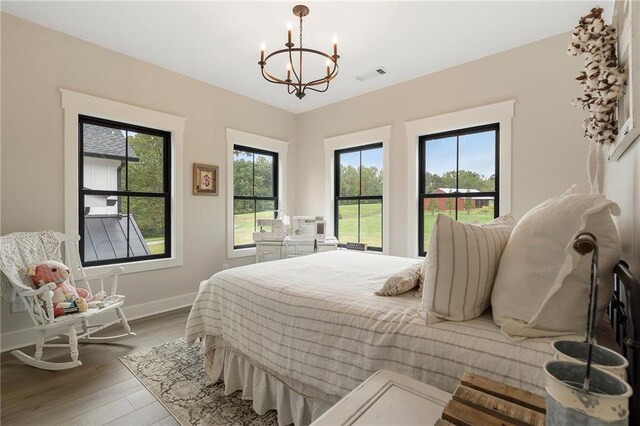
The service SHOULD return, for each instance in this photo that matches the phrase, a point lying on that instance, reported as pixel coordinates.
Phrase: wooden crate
(482, 401)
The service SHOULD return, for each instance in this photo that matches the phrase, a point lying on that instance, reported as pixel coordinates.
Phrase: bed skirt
(266, 392)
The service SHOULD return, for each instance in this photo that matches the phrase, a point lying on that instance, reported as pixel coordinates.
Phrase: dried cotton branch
(602, 79)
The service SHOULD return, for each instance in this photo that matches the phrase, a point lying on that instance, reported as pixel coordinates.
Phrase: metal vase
(606, 402)
(603, 358)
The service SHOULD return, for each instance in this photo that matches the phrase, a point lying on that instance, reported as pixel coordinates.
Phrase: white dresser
(387, 398)
(274, 250)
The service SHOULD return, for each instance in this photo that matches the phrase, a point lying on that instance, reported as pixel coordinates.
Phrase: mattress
(315, 324)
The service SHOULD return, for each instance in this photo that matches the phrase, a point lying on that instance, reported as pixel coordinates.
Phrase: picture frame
(205, 179)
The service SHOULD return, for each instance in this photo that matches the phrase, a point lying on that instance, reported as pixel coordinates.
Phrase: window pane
(430, 210)
(105, 228)
(104, 205)
(265, 209)
(103, 156)
(242, 173)
(146, 226)
(106, 234)
(371, 222)
(348, 221)
(243, 221)
(476, 209)
(477, 161)
(371, 172)
(350, 174)
(440, 162)
(263, 175)
(146, 163)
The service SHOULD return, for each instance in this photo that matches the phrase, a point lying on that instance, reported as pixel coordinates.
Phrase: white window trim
(351, 140)
(238, 137)
(501, 112)
(75, 104)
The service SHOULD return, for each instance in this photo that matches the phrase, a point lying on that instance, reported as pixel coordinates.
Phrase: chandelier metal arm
(295, 74)
(333, 59)
(318, 90)
(324, 79)
(301, 49)
(311, 84)
(273, 79)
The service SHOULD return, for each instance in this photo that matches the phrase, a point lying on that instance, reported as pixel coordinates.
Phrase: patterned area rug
(174, 374)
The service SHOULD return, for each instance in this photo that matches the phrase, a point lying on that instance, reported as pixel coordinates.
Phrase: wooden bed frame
(624, 313)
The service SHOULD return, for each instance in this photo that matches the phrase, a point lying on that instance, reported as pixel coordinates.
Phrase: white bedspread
(315, 324)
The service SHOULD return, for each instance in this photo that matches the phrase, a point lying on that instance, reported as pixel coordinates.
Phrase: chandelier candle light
(297, 85)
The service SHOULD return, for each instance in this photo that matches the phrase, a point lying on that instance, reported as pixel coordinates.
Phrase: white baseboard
(159, 306)
(26, 337)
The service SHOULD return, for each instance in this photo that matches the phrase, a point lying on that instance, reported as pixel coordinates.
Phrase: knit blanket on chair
(18, 251)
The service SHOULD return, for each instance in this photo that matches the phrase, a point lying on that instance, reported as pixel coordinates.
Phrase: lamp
(297, 85)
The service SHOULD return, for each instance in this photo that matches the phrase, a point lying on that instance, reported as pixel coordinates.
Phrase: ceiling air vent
(372, 74)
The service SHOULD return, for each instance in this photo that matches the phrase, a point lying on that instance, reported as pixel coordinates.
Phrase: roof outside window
(101, 141)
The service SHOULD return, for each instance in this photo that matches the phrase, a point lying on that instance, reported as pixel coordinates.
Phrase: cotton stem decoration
(603, 82)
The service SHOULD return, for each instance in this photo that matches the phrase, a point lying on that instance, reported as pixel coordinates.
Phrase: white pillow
(401, 282)
(542, 285)
(460, 267)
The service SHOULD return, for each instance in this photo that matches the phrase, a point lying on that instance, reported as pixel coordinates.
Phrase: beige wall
(622, 185)
(36, 62)
(549, 153)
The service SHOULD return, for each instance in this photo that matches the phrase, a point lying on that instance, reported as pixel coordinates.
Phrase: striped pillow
(461, 265)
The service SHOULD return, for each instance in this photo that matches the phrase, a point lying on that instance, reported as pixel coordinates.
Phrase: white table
(274, 250)
(387, 398)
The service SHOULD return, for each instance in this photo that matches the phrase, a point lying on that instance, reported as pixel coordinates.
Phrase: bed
(297, 335)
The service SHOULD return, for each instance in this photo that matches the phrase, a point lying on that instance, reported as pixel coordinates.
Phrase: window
(255, 191)
(499, 115)
(376, 153)
(77, 106)
(358, 195)
(458, 177)
(124, 186)
(261, 191)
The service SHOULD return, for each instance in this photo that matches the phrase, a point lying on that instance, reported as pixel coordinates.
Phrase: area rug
(173, 373)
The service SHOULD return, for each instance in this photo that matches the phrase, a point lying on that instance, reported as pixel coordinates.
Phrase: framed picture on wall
(205, 179)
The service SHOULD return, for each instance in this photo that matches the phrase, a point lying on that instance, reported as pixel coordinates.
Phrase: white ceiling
(219, 42)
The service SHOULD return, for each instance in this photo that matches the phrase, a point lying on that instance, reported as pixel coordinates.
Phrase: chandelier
(297, 84)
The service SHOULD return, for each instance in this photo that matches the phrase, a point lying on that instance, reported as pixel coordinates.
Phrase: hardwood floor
(100, 392)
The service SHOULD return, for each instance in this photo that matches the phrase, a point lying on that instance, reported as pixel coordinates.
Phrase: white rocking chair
(17, 253)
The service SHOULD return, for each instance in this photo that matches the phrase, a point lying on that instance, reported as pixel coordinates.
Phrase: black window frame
(255, 198)
(337, 197)
(422, 140)
(165, 194)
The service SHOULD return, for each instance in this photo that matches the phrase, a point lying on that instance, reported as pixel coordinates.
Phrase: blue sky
(370, 157)
(476, 154)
